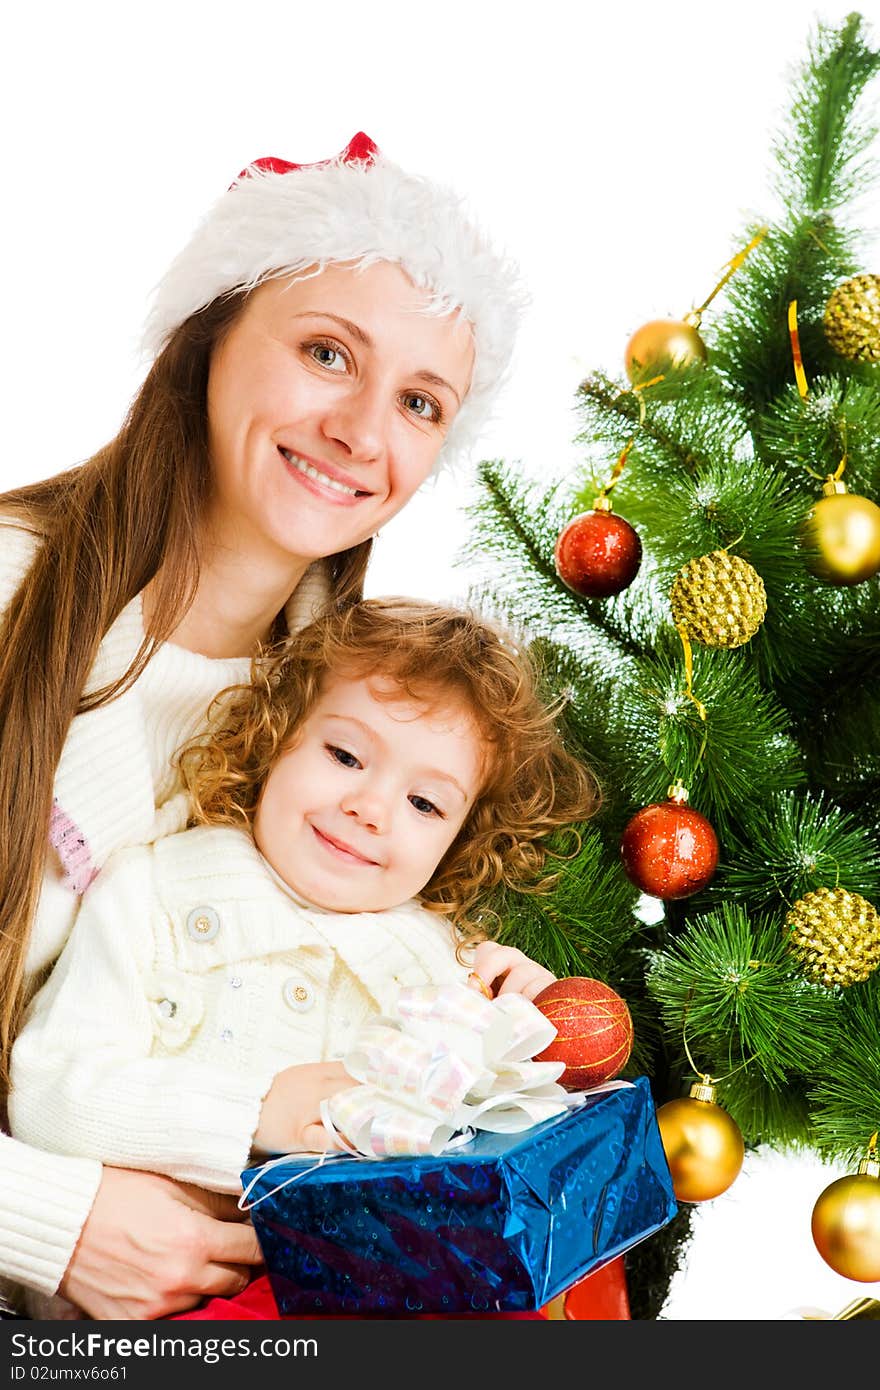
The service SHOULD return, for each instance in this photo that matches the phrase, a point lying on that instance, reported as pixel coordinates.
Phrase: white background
(616, 151)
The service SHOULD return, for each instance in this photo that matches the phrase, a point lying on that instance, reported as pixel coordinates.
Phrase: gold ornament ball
(843, 529)
(852, 319)
(846, 1227)
(704, 1147)
(663, 346)
(719, 600)
(835, 936)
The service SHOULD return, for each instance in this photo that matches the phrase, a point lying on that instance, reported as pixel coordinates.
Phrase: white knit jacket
(189, 981)
(105, 798)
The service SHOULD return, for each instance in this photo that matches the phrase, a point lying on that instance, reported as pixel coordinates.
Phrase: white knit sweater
(154, 1046)
(112, 789)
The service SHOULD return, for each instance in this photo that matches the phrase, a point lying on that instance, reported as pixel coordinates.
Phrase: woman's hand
(152, 1247)
(290, 1119)
(505, 970)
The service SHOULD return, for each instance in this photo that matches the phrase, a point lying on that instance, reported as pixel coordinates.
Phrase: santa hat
(279, 218)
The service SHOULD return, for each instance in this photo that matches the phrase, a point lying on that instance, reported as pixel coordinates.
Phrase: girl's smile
(344, 851)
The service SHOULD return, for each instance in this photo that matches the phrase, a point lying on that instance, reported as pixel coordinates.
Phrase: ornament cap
(703, 1090)
(678, 793)
(602, 503)
(870, 1164)
(833, 487)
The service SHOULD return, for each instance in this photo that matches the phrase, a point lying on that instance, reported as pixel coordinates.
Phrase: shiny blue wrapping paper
(502, 1224)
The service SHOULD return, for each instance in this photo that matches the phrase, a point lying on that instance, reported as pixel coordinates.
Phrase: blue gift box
(501, 1224)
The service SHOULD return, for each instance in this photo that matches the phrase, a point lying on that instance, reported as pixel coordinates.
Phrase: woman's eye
(423, 406)
(329, 355)
(342, 755)
(425, 807)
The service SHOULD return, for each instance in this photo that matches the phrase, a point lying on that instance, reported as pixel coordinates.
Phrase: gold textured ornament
(703, 1144)
(663, 346)
(843, 533)
(719, 600)
(835, 936)
(852, 319)
(846, 1222)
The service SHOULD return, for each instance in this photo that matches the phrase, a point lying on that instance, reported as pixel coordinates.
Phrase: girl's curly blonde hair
(532, 784)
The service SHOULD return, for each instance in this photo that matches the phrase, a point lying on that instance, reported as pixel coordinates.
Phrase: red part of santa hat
(360, 146)
(279, 219)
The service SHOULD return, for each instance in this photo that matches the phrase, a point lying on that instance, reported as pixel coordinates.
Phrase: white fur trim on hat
(270, 224)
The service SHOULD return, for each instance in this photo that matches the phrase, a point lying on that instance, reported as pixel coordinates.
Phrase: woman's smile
(322, 478)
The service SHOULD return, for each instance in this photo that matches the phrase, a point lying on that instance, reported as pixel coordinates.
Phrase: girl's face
(357, 815)
(328, 402)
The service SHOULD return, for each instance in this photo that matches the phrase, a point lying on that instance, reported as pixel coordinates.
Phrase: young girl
(356, 802)
(314, 357)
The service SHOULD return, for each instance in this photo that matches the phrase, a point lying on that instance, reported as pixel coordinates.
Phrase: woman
(329, 336)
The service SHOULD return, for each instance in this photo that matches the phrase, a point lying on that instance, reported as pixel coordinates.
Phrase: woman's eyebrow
(364, 338)
(353, 328)
(436, 380)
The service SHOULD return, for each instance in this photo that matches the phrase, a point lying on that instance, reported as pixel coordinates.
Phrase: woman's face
(328, 402)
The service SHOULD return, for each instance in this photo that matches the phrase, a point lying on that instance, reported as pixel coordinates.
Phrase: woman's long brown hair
(105, 529)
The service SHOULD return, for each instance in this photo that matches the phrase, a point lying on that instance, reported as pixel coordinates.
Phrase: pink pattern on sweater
(73, 850)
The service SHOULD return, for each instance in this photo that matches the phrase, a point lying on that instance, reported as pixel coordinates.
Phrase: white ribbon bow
(450, 1061)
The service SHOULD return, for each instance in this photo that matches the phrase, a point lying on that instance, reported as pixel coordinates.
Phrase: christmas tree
(716, 634)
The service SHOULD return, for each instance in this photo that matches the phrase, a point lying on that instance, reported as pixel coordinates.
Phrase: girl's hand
(505, 970)
(152, 1247)
(290, 1119)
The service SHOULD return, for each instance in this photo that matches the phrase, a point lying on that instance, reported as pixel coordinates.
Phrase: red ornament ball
(597, 554)
(669, 850)
(594, 1031)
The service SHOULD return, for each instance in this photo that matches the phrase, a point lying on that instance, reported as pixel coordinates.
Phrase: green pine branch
(822, 149)
(731, 989)
(805, 440)
(821, 167)
(845, 1101)
(790, 844)
(842, 742)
